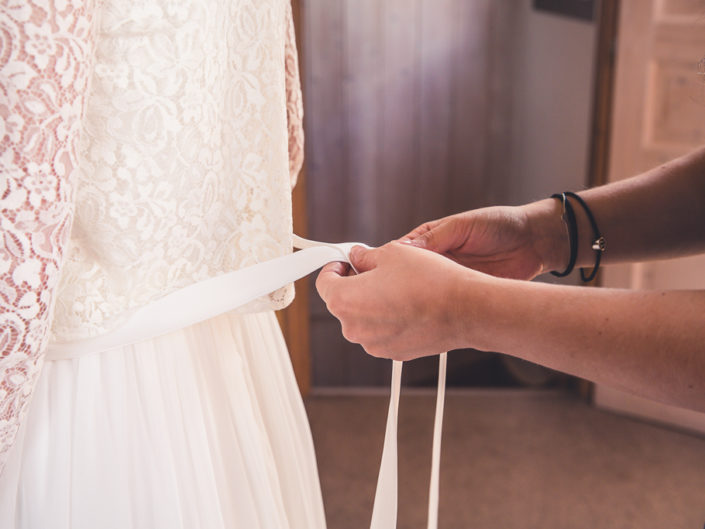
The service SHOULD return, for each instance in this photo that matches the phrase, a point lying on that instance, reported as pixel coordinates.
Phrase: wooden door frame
(294, 320)
(602, 100)
(603, 91)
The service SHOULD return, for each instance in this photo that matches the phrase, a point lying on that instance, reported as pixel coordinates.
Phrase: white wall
(552, 92)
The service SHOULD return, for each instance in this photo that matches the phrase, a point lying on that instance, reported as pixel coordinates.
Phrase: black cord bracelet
(598, 241)
(568, 217)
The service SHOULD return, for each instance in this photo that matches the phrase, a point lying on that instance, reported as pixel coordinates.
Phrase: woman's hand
(408, 302)
(512, 242)
(405, 302)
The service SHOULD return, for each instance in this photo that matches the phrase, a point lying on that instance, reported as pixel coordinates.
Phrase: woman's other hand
(504, 241)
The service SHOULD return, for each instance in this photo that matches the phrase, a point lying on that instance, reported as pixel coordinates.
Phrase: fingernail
(355, 252)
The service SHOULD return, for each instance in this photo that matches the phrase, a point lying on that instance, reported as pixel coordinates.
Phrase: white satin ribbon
(215, 296)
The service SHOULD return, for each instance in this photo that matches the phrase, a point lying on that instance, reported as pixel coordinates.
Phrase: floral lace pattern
(294, 104)
(189, 116)
(45, 55)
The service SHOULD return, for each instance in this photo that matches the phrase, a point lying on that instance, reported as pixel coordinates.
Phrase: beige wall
(552, 91)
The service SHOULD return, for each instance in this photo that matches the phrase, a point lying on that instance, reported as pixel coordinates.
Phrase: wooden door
(659, 114)
(406, 106)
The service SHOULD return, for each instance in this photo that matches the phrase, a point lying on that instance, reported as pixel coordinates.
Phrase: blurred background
(418, 109)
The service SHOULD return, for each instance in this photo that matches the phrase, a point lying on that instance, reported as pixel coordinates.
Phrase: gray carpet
(511, 460)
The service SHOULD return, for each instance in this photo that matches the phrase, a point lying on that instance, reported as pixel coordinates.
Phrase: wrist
(548, 233)
(475, 314)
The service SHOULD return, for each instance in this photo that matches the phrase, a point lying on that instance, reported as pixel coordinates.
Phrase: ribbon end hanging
(433, 489)
(384, 511)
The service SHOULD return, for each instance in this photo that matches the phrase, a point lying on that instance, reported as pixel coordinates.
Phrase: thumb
(363, 259)
(329, 278)
(436, 239)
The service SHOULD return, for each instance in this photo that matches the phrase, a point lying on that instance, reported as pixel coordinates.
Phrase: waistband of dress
(138, 325)
(200, 301)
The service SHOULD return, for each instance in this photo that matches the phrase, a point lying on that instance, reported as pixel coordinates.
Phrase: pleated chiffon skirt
(201, 428)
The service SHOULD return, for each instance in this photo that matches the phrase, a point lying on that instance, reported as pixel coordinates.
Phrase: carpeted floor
(511, 460)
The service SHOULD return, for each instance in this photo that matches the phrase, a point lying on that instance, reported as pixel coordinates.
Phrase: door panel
(403, 102)
(659, 114)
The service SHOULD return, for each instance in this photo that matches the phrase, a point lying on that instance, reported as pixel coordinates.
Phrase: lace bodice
(146, 145)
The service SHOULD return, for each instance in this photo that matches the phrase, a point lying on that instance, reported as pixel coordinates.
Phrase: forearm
(658, 214)
(649, 343)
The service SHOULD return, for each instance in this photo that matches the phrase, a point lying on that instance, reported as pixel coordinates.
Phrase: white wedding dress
(147, 146)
